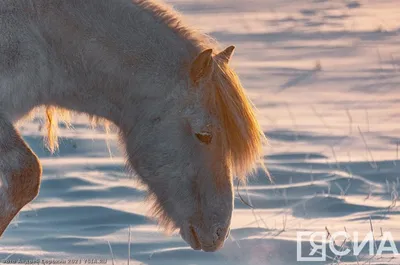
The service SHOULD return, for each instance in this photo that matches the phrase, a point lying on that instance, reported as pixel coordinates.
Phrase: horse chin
(189, 234)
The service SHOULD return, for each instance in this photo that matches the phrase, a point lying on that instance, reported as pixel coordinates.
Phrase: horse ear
(202, 66)
(226, 55)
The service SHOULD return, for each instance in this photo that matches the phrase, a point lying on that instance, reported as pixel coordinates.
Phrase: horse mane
(55, 115)
(241, 138)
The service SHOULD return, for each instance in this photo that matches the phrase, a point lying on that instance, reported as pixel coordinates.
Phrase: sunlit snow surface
(324, 76)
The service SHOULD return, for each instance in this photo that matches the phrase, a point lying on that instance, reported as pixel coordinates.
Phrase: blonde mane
(241, 137)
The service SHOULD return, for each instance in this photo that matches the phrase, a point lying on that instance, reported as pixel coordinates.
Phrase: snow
(324, 76)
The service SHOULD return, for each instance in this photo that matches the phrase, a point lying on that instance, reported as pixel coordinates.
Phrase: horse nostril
(219, 232)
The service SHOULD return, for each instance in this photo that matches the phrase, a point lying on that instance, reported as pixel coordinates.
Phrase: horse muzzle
(208, 240)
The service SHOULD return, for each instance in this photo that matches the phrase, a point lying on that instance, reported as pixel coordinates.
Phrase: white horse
(186, 124)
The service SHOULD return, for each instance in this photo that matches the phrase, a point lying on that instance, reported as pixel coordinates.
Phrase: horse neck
(112, 63)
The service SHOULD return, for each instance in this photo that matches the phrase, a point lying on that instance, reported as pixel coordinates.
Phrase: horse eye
(204, 137)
